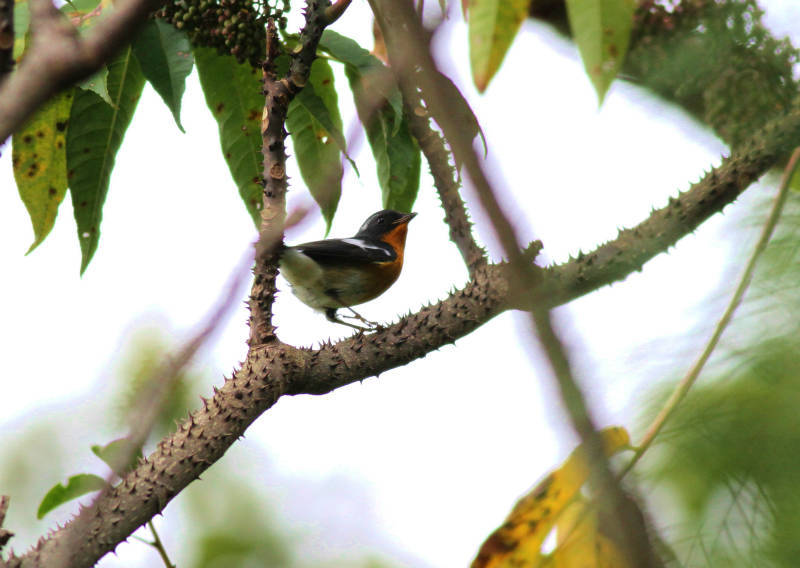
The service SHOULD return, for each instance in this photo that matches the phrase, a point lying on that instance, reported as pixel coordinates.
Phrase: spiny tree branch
(279, 92)
(446, 181)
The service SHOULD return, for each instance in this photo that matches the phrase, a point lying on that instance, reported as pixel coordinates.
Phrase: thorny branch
(279, 92)
(446, 181)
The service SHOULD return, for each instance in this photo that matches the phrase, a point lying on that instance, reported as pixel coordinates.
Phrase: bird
(341, 273)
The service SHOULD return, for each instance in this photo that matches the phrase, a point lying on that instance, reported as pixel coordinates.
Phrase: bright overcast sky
(444, 446)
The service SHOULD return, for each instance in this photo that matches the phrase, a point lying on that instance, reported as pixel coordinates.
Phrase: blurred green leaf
(144, 353)
(93, 139)
(84, 14)
(22, 19)
(463, 111)
(239, 526)
(602, 30)
(233, 93)
(493, 24)
(316, 128)
(165, 56)
(380, 110)
(39, 159)
(396, 153)
(120, 455)
(76, 486)
(351, 54)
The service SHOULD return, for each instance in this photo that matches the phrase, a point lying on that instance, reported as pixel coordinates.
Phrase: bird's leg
(330, 314)
(362, 319)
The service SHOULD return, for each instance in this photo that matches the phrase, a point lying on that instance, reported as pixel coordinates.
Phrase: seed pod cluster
(235, 27)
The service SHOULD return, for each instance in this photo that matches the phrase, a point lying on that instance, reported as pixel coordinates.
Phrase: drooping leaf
(233, 93)
(493, 24)
(76, 486)
(518, 541)
(602, 30)
(315, 125)
(165, 55)
(581, 541)
(93, 139)
(462, 110)
(39, 157)
(120, 455)
(380, 110)
(396, 153)
(351, 54)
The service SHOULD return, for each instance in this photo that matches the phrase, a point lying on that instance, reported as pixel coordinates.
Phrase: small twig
(158, 545)
(744, 282)
(447, 185)
(279, 92)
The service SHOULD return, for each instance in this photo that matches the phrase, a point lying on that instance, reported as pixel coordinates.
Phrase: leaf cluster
(677, 49)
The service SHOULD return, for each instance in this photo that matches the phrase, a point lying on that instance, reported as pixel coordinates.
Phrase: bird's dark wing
(347, 251)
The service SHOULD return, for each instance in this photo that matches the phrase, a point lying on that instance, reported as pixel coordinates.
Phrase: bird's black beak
(405, 219)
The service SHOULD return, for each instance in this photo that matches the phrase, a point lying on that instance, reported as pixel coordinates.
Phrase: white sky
(444, 446)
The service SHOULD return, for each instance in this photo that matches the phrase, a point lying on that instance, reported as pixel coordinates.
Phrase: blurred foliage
(137, 366)
(730, 457)
(231, 521)
(716, 59)
(227, 520)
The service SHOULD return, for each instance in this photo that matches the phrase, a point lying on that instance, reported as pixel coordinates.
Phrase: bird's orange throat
(396, 238)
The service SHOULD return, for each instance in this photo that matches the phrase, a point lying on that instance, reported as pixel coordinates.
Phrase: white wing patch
(364, 245)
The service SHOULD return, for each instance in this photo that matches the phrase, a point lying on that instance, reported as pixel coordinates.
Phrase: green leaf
(316, 128)
(165, 56)
(84, 14)
(39, 156)
(22, 19)
(493, 24)
(233, 93)
(98, 84)
(77, 485)
(380, 109)
(120, 455)
(351, 54)
(93, 139)
(462, 110)
(602, 30)
(396, 152)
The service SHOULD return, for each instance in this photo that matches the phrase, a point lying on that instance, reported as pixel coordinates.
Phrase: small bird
(341, 273)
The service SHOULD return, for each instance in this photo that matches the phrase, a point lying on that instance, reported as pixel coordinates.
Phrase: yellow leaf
(38, 153)
(518, 541)
(492, 27)
(576, 535)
